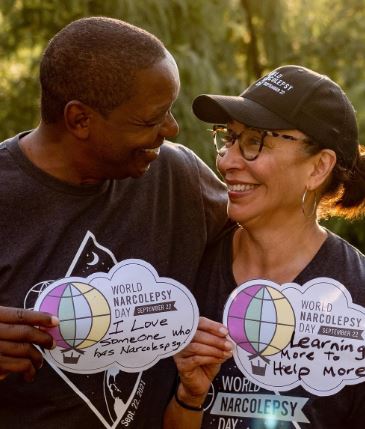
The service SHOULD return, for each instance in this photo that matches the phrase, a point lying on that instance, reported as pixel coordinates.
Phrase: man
(107, 93)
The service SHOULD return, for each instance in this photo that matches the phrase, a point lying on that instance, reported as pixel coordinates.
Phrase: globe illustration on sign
(261, 321)
(84, 315)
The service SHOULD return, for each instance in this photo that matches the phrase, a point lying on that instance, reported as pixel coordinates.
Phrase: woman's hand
(200, 361)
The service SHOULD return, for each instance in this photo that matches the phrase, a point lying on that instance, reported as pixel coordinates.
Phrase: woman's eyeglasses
(250, 140)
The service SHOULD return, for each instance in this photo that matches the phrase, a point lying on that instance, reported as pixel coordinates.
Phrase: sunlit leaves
(220, 47)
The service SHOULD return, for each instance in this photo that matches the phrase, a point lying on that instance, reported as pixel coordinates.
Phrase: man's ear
(77, 117)
(323, 164)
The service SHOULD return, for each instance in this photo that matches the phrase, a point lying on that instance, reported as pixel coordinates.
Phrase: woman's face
(269, 189)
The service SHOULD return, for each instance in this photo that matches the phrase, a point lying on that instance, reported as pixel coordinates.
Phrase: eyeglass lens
(250, 141)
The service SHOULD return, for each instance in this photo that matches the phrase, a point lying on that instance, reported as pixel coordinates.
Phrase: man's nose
(170, 127)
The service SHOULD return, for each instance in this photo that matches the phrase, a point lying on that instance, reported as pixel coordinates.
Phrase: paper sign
(128, 317)
(290, 335)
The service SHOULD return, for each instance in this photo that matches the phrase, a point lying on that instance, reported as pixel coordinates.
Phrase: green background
(220, 46)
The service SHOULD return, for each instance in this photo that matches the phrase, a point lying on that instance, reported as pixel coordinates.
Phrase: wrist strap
(187, 406)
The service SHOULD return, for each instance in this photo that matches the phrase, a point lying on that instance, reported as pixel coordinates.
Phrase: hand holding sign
(128, 317)
(20, 330)
(200, 361)
(289, 335)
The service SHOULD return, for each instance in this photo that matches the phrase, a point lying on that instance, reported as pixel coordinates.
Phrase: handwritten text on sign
(128, 317)
(289, 335)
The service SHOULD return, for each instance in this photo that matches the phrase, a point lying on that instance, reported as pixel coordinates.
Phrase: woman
(288, 150)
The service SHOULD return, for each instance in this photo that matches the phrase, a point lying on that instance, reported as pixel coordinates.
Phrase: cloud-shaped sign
(290, 335)
(129, 317)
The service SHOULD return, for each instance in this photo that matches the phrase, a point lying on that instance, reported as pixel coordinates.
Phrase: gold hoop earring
(314, 204)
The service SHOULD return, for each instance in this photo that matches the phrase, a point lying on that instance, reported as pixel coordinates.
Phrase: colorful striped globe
(261, 320)
(83, 311)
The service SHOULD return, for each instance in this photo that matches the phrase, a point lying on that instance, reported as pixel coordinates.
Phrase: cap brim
(220, 109)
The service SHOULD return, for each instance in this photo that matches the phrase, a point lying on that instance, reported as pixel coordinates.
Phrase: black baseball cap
(290, 97)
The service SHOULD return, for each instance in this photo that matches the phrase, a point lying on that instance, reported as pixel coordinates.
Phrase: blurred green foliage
(220, 47)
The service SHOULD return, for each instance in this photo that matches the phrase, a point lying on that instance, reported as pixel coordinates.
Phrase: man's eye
(158, 121)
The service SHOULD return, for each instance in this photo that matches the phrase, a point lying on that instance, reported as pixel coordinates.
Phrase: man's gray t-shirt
(50, 229)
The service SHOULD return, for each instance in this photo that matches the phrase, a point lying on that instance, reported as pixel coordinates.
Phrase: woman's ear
(322, 166)
(77, 118)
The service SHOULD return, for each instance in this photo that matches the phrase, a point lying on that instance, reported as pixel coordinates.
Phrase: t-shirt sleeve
(213, 194)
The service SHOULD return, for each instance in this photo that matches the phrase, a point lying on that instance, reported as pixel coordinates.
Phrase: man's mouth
(155, 150)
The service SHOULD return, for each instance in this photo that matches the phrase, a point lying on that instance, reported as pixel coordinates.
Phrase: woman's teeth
(240, 187)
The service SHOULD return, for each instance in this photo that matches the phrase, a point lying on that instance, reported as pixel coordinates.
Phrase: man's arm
(20, 331)
(197, 364)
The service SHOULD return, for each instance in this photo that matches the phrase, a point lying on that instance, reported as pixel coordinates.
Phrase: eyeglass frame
(263, 133)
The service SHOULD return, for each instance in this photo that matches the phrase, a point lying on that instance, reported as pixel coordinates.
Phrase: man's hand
(200, 361)
(20, 330)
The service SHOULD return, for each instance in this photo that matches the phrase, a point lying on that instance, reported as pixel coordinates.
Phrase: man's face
(128, 140)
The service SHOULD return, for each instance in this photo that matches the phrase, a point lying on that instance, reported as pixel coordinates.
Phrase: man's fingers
(19, 316)
(21, 350)
(25, 366)
(24, 333)
(21, 325)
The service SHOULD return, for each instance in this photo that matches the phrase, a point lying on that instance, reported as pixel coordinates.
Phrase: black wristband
(187, 406)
